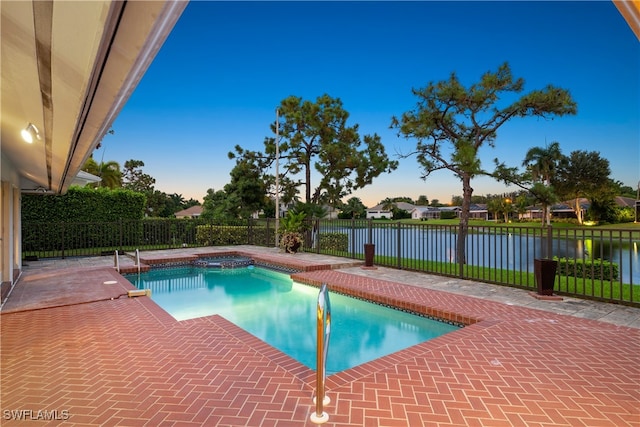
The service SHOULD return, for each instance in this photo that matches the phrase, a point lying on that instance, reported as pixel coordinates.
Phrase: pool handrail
(138, 259)
(116, 261)
(323, 331)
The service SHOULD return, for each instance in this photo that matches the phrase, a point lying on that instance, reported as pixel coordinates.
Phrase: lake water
(490, 249)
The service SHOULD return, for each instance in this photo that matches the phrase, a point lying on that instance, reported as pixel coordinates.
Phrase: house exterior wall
(10, 237)
(419, 213)
(479, 215)
(376, 214)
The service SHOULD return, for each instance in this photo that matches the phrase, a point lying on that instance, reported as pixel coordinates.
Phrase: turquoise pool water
(281, 312)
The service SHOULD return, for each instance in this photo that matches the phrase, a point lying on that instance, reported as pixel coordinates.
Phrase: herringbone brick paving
(124, 361)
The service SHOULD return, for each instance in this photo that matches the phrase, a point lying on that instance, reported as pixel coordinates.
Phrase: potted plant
(291, 228)
(545, 274)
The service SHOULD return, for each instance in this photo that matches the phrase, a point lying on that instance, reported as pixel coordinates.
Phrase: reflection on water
(496, 249)
(282, 313)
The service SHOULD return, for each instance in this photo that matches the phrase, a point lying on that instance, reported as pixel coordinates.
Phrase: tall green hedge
(83, 217)
(81, 204)
(234, 234)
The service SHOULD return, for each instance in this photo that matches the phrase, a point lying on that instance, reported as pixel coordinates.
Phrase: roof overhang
(630, 10)
(69, 67)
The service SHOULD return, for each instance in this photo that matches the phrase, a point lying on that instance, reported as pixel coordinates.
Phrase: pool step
(139, 293)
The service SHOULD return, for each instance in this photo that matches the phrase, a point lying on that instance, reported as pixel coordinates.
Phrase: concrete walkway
(606, 312)
(76, 350)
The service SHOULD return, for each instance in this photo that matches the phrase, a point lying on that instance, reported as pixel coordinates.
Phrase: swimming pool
(281, 312)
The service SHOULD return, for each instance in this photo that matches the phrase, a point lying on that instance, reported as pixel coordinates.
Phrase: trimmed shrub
(220, 235)
(334, 242)
(448, 215)
(596, 269)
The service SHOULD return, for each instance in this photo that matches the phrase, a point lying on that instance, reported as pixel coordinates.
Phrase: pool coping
(297, 369)
(149, 261)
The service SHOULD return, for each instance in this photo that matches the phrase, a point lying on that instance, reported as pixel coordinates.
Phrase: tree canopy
(542, 164)
(354, 208)
(214, 206)
(451, 122)
(134, 179)
(315, 137)
(584, 174)
(246, 193)
(551, 176)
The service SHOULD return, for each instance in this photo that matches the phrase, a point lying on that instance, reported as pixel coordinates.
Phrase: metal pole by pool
(323, 330)
(277, 178)
(637, 204)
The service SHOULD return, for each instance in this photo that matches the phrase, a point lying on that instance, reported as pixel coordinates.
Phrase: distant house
(625, 202)
(478, 211)
(558, 210)
(405, 206)
(425, 212)
(378, 212)
(191, 213)
(565, 209)
(330, 212)
(532, 212)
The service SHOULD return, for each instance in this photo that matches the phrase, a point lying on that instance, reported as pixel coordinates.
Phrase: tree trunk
(307, 177)
(578, 210)
(546, 218)
(467, 191)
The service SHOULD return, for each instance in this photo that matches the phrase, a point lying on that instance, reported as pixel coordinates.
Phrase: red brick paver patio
(88, 355)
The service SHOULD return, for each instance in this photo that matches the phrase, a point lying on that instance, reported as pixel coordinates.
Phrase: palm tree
(543, 164)
(355, 207)
(178, 201)
(388, 204)
(109, 172)
(521, 204)
(493, 206)
(500, 206)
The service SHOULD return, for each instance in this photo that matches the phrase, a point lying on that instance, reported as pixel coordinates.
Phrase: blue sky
(227, 65)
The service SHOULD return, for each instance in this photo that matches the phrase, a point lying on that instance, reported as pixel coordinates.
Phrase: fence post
(121, 245)
(62, 231)
(353, 238)
(399, 245)
(461, 256)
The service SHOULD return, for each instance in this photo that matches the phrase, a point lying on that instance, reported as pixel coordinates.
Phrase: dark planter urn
(295, 246)
(369, 252)
(545, 272)
(291, 242)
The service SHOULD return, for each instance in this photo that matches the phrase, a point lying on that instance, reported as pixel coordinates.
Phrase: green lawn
(602, 289)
